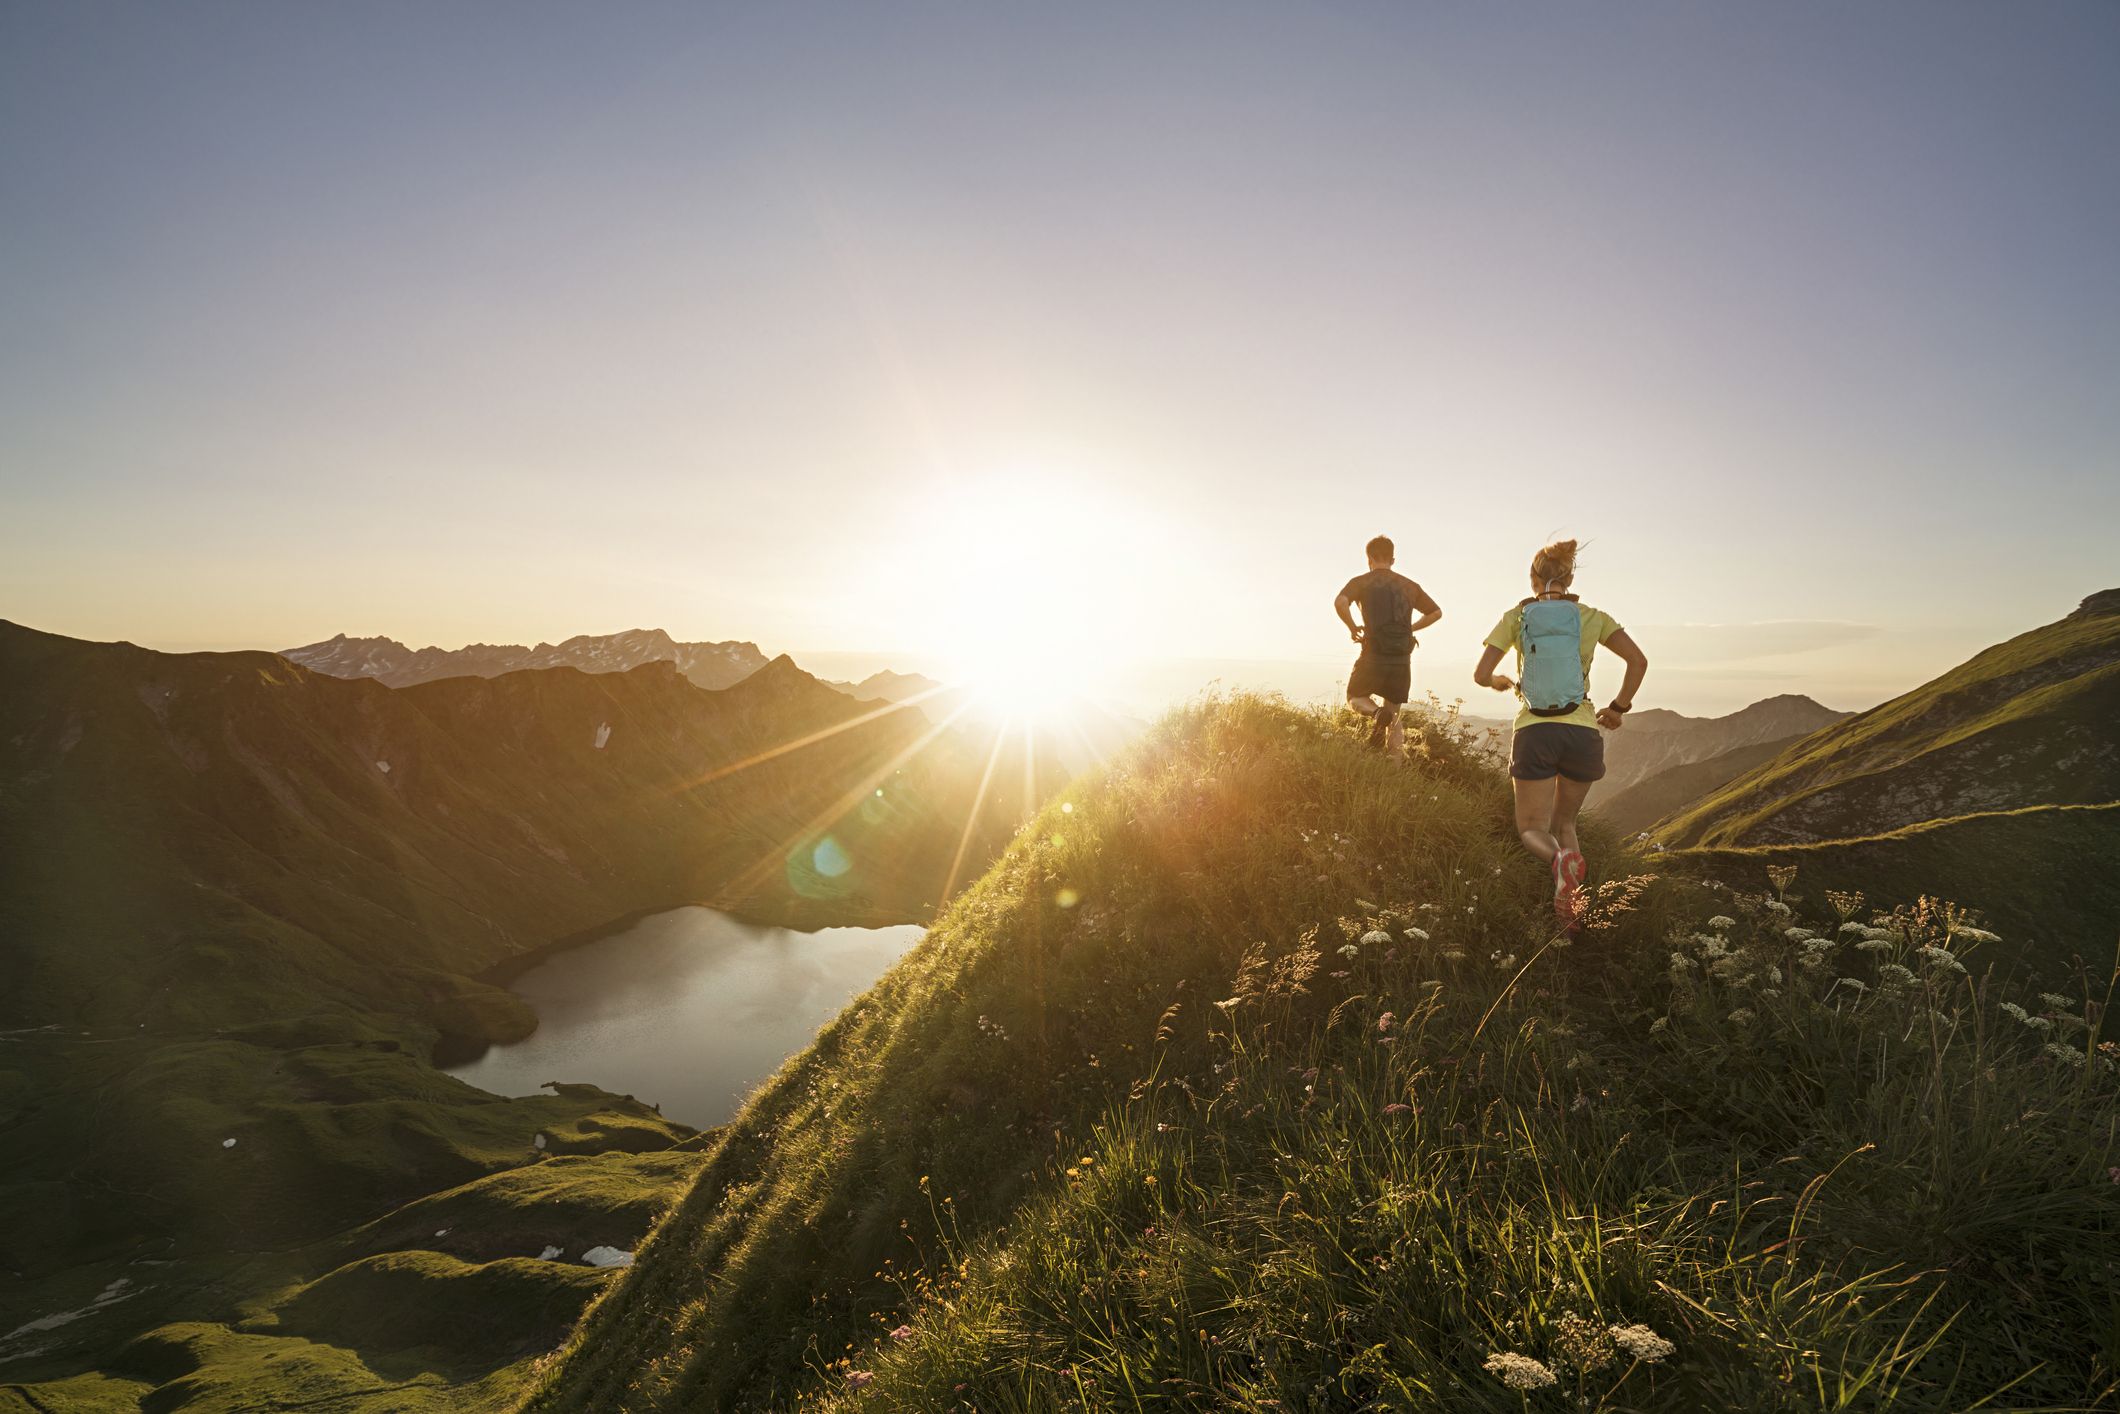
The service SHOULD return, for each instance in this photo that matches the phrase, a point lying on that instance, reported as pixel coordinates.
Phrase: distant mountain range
(2034, 721)
(1654, 740)
(711, 665)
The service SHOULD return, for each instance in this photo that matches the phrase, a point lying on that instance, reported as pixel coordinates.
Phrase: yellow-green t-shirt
(1509, 635)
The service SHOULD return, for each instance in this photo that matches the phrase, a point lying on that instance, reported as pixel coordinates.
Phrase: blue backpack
(1551, 632)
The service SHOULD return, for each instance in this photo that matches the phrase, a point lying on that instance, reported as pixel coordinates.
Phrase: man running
(1385, 668)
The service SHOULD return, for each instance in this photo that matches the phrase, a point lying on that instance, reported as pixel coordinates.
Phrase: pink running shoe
(1569, 867)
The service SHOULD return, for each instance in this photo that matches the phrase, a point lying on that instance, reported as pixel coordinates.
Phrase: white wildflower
(1774, 974)
(1350, 950)
(1416, 935)
(2057, 1001)
(2016, 1013)
(1978, 935)
(1741, 1017)
(1942, 959)
(1519, 1371)
(1642, 1343)
(1853, 927)
(1874, 945)
(1775, 905)
(1854, 983)
(1659, 1024)
(1722, 920)
(1893, 972)
(2063, 1053)
(1680, 962)
(1375, 938)
(1797, 935)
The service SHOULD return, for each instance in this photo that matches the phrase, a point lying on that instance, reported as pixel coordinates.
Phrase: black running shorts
(1378, 675)
(1544, 750)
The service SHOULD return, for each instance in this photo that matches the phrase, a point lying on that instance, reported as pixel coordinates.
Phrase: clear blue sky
(476, 321)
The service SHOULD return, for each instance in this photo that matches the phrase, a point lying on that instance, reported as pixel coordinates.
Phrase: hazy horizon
(890, 333)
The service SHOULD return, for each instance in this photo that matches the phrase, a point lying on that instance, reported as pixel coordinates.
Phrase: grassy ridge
(1251, 1077)
(2027, 722)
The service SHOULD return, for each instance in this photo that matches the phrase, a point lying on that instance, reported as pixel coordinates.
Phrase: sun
(1032, 591)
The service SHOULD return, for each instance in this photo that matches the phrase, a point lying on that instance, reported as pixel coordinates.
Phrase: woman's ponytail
(1553, 568)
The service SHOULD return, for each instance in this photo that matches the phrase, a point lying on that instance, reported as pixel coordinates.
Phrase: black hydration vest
(1387, 619)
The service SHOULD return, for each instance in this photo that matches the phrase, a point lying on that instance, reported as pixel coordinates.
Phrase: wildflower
(1941, 959)
(1741, 1017)
(1978, 935)
(1773, 974)
(1797, 935)
(1853, 927)
(2063, 1053)
(1398, 1109)
(1722, 920)
(1858, 986)
(1416, 935)
(1583, 1343)
(1375, 938)
(2113, 1173)
(1893, 972)
(2057, 1001)
(1503, 964)
(1350, 951)
(1874, 945)
(1518, 1371)
(1659, 1024)
(857, 1378)
(902, 1333)
(1680, 962)
(1642, 1343)
(1384, 1021)
(1775, 905)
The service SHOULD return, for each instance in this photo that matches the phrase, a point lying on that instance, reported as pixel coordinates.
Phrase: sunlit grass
(1253, 1077)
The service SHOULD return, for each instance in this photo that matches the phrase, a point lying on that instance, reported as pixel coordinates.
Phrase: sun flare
(1033, 592)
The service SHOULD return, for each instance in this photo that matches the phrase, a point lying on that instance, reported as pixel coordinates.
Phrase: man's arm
(1340, 607)
(1431, 612)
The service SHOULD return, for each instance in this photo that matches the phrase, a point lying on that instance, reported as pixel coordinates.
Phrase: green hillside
(2043, 875)
(1253, 1076)
(2027, 722)
(242, 903)
(1637, 807)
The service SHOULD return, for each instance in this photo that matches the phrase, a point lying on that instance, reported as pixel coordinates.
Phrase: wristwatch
(1615, 706)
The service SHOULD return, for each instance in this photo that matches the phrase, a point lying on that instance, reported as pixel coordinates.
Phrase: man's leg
(1534, 816)
(1395, 739)
(1364, 703)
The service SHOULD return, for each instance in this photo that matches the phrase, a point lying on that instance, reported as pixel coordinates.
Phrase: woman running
(1556, 753)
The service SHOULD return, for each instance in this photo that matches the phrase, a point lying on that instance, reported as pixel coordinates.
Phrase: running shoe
(1568, 870)
(1380, 729)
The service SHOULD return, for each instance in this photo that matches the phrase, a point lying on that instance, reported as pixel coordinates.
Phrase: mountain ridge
(2029, 721)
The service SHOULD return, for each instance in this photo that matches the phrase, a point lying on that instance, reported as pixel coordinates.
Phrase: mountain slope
(241, 902)
(1655, 740)
(1637, 807)
(2033, 721)
(711, 665)
(1251, 1078)
(185, 835)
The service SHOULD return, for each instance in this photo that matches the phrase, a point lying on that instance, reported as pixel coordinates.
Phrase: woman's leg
(1567, 804)
(1534, 816)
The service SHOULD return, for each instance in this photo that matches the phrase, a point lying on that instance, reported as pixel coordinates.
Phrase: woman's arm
(1486, 676)
(1637, 663)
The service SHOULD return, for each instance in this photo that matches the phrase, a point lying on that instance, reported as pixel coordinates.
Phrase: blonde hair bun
(1554, 566)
